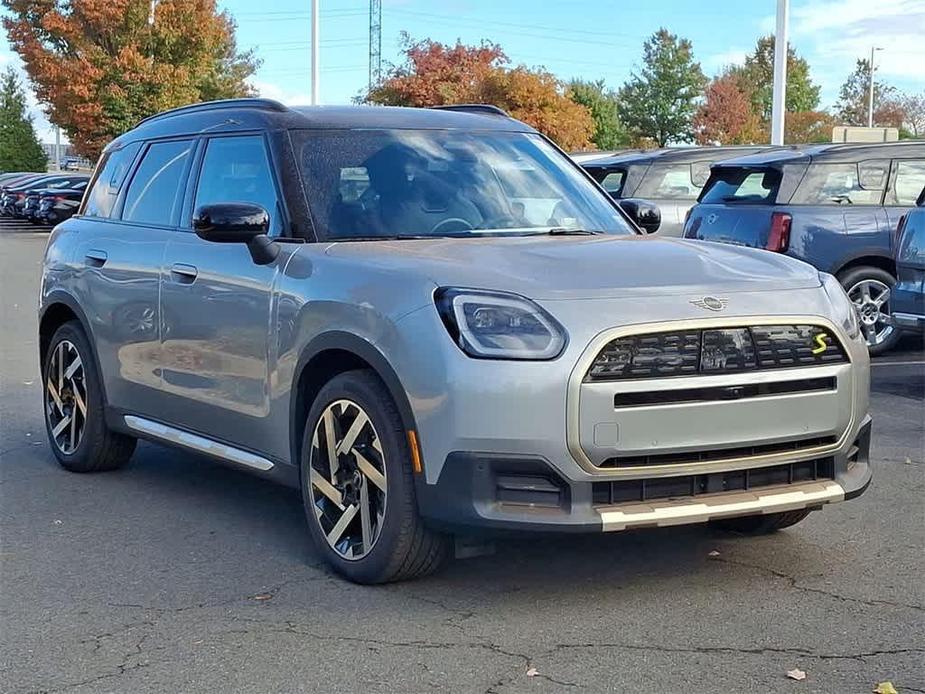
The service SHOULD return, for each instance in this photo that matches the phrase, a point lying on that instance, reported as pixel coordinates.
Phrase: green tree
(659, 102)
(854, 98)
(756, 79)
(609, 132)
(20, 149)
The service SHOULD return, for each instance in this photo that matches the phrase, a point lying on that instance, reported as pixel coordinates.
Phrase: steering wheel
(462, 225)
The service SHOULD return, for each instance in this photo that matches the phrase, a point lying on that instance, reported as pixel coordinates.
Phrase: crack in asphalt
(726, 650)
(794, 583)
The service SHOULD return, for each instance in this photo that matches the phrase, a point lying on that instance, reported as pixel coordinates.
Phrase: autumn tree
(100, 66)
(434, 74)
(805, 127)
(609, 132)
(756, 79)
(659, 101)
(914, 109)
(20, 149)
(854, 98)
(726, 117)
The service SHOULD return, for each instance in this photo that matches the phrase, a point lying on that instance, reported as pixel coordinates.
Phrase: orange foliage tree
(726, 117)
(435, 74)
(99, 66)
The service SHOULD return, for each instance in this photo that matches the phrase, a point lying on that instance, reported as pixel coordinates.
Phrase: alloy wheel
(66, 397)
(348, 479)
(871, 299)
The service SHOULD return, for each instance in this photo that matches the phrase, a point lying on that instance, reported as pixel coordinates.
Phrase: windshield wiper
(568, 231)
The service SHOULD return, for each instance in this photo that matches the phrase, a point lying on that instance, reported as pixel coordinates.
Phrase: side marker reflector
(415, 452)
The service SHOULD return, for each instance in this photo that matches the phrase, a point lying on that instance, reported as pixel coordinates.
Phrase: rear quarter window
(668, 181)
(110, 174)
(745, 186)
(842, 184)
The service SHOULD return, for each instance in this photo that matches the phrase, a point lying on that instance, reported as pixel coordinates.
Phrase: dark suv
(908, 298)
(670, 178)
(834, 206)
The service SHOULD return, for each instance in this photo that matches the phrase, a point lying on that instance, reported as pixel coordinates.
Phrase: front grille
(718, 455)
(649, 398)
(715, 351)
(638, 491)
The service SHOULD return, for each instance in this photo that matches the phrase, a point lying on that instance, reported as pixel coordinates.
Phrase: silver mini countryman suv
(432, 322)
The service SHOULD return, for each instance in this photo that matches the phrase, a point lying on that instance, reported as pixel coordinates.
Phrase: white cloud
(717, 61)
(270, 90)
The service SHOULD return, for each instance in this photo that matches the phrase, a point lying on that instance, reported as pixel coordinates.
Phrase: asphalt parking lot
(177, 574)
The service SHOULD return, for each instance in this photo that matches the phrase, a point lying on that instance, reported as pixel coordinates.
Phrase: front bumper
(518, 493)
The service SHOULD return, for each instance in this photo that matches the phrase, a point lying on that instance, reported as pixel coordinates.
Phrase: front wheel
(358, 485)
(761, 525)
(869, 289)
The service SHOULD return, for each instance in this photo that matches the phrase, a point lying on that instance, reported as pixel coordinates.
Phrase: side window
(110, 173)
(613, 182)
(152, 195)
(841, 184)
(237, 169)
(908, 183)
(672, 181)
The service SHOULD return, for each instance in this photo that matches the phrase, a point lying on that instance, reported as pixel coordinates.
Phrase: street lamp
(870, 102)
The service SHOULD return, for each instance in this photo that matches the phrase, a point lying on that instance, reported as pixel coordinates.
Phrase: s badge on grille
(710, 303)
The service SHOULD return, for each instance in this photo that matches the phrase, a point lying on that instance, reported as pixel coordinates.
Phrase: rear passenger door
(127, 218)
(907, 178)
(217, 303)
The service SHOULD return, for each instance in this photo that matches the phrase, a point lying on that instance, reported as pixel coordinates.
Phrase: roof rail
(250, 102)
(484, 109)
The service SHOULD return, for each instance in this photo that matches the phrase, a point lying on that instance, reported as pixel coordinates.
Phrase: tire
(395, 545)
(86, 444)
(853, 281)
(761, 524)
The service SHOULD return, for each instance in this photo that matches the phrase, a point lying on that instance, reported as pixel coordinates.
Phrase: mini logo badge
(711, 218)
(710, 303)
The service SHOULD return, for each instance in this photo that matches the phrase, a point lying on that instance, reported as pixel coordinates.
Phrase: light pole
(870, 100)
(315, 48)
(778, 103)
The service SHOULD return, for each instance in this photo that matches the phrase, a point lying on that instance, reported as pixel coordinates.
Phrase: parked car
(431, 320)
(593, 154)
(833, 206)
(908, 298)
(57, 204)
(670, 178)
(13, 200)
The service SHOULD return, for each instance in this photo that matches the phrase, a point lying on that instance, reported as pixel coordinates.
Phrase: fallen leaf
(885, 688)
(58, 521)
(263, 596)
(796, 674)
(714, 553)
(532, 672)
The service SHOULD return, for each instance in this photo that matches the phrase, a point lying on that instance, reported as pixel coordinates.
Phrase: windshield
(373, 184)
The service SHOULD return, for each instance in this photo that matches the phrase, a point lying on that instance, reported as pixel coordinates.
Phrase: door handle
(95, 258)
(183, 273)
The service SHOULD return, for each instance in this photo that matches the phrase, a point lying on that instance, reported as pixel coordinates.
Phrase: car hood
(547, 267)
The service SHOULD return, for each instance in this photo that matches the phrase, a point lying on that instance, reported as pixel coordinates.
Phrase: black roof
(249, 114)
(677, 155)
(833, 153)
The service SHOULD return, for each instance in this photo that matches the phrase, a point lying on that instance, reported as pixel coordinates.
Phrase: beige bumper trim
(682, 511)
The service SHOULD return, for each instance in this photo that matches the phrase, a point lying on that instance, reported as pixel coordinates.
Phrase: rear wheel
(73, 400)
(869, 289)
(761, 525)
(358, 486)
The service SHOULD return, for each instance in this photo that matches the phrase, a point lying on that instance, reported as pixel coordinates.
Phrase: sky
(590, 39)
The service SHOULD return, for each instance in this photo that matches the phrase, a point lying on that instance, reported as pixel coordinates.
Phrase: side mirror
(237, 222)
(646, 214)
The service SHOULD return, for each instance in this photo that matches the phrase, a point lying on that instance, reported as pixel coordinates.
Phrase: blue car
(834, 206)
(908, 300)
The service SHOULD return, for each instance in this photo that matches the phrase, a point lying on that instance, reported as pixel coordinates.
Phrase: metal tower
(375, 42)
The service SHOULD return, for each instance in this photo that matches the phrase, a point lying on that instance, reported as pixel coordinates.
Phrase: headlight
(497, 325)
(845, 313)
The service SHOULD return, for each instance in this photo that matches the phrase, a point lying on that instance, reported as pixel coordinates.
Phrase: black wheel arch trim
(857, 259)
(63, 298)
(363, 349)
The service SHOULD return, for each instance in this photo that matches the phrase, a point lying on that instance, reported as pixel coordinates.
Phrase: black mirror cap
(646, 214)
(230, 222)
(237, 222)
